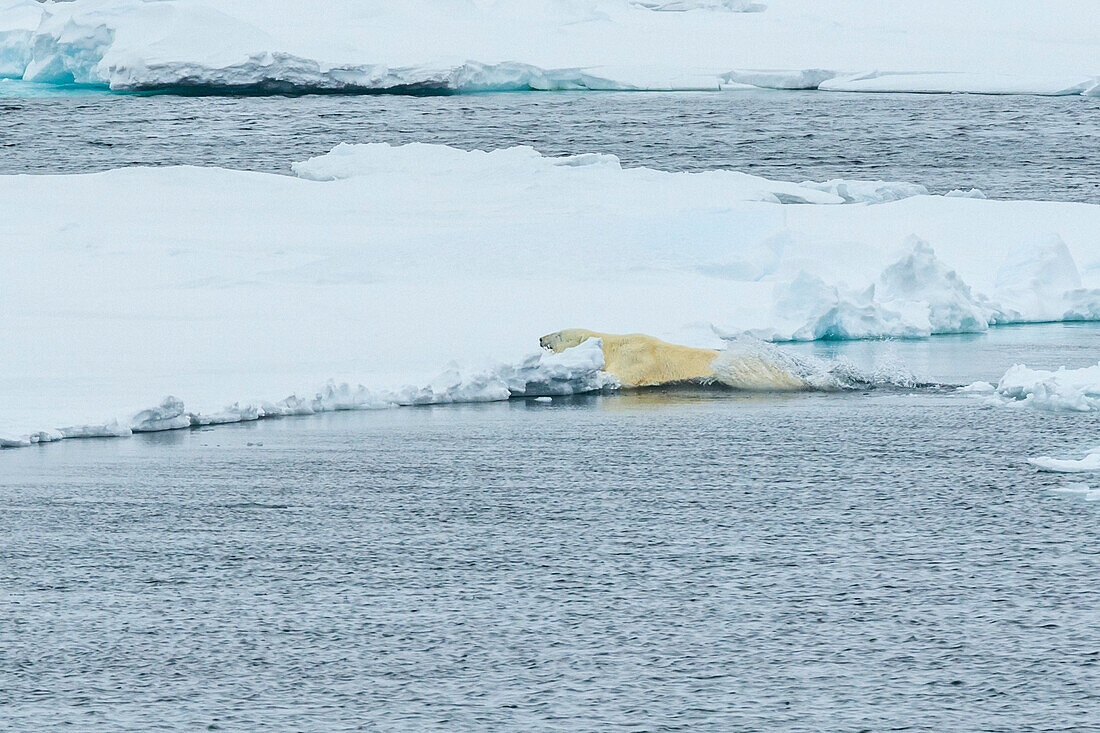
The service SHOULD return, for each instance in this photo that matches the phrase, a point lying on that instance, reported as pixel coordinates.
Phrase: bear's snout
(559, 341)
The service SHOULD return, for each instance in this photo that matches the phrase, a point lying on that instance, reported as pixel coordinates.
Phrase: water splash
(748, 363)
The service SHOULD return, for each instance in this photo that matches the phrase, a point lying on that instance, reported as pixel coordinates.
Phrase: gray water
(1010, 147)
(663, 560)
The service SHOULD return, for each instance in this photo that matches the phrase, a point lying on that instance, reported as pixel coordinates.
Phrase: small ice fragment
(1090, 462)
(958, 193)
(1085, 491)
(544, 399)
(978, 388)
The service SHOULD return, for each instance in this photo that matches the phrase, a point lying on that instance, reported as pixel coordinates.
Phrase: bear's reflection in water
(678, 395)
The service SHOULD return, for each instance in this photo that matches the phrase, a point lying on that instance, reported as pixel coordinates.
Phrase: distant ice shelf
(461, 46)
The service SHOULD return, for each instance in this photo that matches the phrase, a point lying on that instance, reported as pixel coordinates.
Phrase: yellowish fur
(637, 360)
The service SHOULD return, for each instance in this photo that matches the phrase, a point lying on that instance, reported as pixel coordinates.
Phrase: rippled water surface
(1010, 147)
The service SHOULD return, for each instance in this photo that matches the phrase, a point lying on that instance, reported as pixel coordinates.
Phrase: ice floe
(449, 46)
(1072, 390)
(1091, 462)
(1081, 490)
(574, 371)
(377, 265)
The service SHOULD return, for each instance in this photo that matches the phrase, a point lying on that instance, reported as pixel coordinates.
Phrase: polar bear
(638, 360)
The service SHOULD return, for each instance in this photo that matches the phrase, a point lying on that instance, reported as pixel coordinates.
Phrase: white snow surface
(378, 265)
(987, 46)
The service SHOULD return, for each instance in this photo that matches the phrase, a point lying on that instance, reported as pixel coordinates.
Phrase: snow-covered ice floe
(1090, 462)
(446, 46)
(1063, 390)
(575, 371)
(376, 265)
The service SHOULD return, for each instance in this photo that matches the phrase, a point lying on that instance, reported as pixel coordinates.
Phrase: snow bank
(379, 264)
(574, 371)
(294, 46)
(915, 297)
(919, 295)
(1040, 282)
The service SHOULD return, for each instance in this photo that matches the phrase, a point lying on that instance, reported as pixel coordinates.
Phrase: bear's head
(567, 339)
